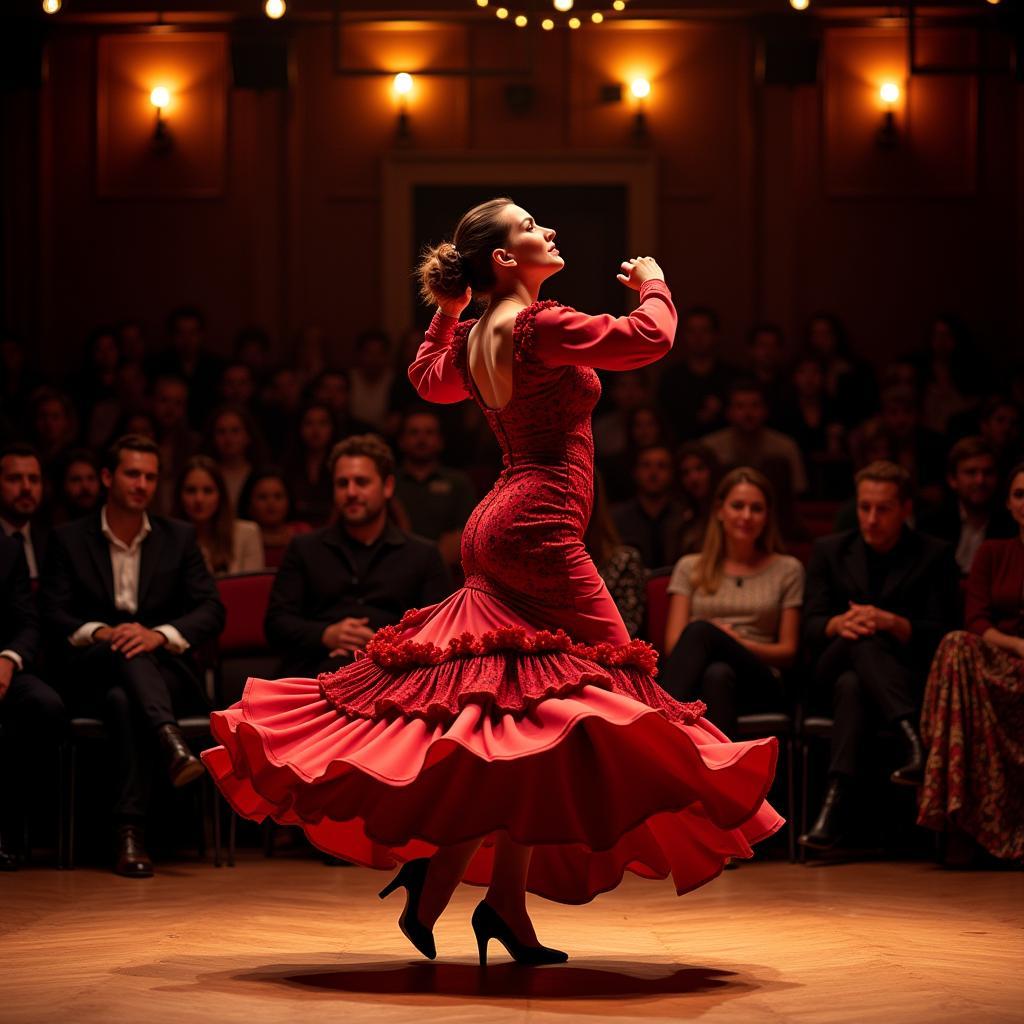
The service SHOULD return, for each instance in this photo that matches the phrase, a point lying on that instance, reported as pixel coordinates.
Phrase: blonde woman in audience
(734, 611)
(229, 545)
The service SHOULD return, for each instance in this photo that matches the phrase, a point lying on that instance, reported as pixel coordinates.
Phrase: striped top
(751, 604)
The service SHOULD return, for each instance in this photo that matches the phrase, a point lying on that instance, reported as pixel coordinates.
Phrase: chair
(242, 651)
(769, 723)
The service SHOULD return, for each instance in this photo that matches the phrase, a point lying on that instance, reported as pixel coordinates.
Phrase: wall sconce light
(51, 6)
(402, 86)
(799, 5)
(562, 5)
(641, 89)
(160, 97)
(887, 133)
(275, 9)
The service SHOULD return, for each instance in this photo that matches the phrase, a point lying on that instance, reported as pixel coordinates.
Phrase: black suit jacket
(175, 587)
(319, 583)
(921, 585)
(945, 524)
(19, 619)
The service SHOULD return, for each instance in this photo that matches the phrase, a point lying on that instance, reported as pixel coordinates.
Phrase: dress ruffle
(595, 781)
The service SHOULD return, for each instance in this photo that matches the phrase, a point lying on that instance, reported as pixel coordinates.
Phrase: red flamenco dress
(519, 703)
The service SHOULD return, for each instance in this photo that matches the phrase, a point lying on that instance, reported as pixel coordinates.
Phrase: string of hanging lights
(552, 14)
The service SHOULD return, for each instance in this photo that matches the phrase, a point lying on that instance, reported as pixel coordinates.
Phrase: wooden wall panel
(193, 67)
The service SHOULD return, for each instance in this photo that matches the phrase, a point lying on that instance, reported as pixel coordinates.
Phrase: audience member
(21, 494)
(699, 471)
(310, 353)
(127, 599)
(237, 385)
(734, 614)
(232, 439)
(332, 388)
(619, 565)
(999, 424)
(436, 498)
(692, 392)
(177, 441)
(186, 358)
(653, 520)
(131, 341)
(972, 511)
(878, 600)
(79, 492)
(625, 392)
(54, 428)
(973, 716)
(279, 408)
(96, 389)
(267, 502)
(17, 382)
(948, 373)
(251, 350)
(371, 379)
(229, 545)
(850, 381)
(309, 479)
(766, 359)
(31, 714)
(338, 585)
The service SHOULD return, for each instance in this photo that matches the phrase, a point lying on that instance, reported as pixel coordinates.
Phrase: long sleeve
(56, 593)
(433, 372)
(565, 337)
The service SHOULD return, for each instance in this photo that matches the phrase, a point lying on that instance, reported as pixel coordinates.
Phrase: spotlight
(482, 3)
(51, 6)
(563, 5)
(575, 23)
(597, 17)
(799, 5)
(640, 88)
(619, 5)
(502, 12)
(275, 9)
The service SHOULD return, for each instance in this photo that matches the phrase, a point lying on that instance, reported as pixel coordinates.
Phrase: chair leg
(791, 799)
(804, 782)
(69, 771)
(232, 819)
(215, 812)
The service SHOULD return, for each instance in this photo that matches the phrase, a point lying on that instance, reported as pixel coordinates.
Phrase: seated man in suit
(21, 494)
(31, 715)
(972, 511)
(878, 600)
(128, 598)
(337, 586)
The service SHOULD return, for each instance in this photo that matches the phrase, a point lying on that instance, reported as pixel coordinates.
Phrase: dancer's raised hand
(639, 269)
(454, 307)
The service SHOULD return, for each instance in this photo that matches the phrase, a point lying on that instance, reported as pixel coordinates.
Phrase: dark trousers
(871, 679)
(133, 697)
(34, 723)
(709, 665)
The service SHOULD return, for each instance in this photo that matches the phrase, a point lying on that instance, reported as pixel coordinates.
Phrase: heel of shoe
(391, 886)
(481, 947)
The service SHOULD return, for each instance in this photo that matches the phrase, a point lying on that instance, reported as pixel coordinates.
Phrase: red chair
(657, 607)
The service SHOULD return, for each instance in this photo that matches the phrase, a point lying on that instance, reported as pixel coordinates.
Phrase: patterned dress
(518, 704)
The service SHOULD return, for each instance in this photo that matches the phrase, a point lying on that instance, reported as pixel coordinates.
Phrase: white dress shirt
(125, 563)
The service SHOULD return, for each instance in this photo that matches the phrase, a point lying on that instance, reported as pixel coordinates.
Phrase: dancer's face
(360, 492)
(530, 249)
(744, 513)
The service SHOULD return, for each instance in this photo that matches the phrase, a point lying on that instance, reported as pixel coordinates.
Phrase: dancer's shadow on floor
(598, 980)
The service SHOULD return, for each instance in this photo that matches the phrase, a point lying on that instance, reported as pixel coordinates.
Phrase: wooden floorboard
(290, 939)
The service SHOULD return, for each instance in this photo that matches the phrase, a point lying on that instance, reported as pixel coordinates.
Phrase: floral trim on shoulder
(524, 333)
(387, 650)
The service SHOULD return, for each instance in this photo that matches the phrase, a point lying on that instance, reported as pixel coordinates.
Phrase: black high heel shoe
(488, 924)
(412, 876)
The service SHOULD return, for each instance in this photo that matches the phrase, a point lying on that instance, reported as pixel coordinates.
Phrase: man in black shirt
(878, 600)
(336, 587)
(653, 520)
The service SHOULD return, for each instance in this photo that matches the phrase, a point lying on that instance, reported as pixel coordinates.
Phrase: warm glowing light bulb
(890, 93)
(547, 24)
(597, 17)
(160, 97)
(274, 9)
(640, 88)
(575, 23)
(51, 6)
(521, 20)
(502, 12)
(619, 5)
(482, 3)
(992, 2)
(563, 5)
(403, 83)
(799, 5)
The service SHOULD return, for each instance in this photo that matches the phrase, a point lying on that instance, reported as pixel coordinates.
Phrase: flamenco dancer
(512, 736)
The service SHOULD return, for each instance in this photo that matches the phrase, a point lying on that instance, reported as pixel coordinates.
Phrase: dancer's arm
(565, 337)
(433, 372)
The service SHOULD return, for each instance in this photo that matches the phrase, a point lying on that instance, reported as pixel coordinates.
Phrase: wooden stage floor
(290, 939)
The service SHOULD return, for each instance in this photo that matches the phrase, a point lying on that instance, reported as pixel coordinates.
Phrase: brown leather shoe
(182, 765)
(132, 859)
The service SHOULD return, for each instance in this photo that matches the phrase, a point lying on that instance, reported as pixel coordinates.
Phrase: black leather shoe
(8, 861)
(182, 765)
(827, 830)
(132, 859)
(912, 773)
(489, 924)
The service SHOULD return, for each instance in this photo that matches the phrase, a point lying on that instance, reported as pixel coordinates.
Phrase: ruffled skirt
(463, 722)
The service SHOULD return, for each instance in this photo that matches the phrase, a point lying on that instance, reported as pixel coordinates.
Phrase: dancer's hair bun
(442, 273)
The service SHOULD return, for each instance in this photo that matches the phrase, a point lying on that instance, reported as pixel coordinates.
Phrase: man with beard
(337, 586)
(21, 494)
(972, 511)
(652, 520)
(79, 486)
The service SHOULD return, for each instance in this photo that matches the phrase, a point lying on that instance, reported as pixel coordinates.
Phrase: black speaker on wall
(259, 55)
(788, 57)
